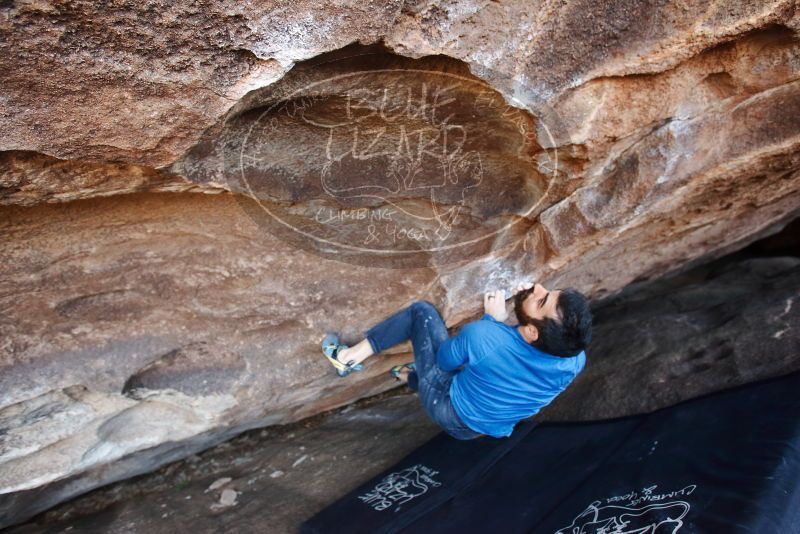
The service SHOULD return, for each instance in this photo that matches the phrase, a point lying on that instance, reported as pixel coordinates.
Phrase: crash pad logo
(398, 488)
(647, 511)
(392, 166)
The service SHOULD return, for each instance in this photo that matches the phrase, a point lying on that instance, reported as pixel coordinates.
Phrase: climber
(491, 375)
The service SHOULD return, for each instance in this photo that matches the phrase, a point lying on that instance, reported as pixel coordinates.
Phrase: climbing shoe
(331, 348)
(397, 369)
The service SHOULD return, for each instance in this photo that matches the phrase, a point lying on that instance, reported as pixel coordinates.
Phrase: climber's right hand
(522, 286)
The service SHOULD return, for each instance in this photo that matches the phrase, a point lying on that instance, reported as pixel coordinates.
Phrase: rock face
(153, 325)
(30, 178)
(440, 149)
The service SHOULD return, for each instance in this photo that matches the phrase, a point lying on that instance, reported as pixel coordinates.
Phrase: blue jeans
(421, 323)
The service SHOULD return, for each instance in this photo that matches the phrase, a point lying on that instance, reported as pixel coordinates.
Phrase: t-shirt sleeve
(468, 347)
(454, 352)
(581, 364)
(462, 349)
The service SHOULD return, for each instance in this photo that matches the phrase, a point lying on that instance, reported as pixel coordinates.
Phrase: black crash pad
(726, 462)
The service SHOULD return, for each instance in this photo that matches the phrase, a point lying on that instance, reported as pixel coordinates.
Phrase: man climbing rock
(491, 375)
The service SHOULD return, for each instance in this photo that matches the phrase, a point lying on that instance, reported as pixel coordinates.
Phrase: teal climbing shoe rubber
(395, 371)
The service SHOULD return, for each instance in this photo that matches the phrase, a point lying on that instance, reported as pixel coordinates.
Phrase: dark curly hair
(568, 335)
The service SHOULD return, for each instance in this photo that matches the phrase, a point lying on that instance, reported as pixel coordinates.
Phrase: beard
(519, 299)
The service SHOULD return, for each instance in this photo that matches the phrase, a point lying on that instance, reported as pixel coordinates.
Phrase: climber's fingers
(523, 286)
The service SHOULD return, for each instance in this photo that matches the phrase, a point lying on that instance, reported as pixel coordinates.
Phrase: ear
(531, 332)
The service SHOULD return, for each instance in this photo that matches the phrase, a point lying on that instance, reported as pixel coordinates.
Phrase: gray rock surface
(677, 338)
(281, 476)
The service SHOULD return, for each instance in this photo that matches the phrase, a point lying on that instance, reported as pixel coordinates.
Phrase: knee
(423, 306)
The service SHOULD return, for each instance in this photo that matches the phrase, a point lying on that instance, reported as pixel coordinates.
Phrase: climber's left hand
(494, 303)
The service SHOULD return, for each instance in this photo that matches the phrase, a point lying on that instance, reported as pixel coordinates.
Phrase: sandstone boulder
(600, 143)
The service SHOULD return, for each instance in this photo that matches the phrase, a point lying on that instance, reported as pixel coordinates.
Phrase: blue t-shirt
(504, 379)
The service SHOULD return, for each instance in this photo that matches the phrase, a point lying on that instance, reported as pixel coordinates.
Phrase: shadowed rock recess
(439, 149)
